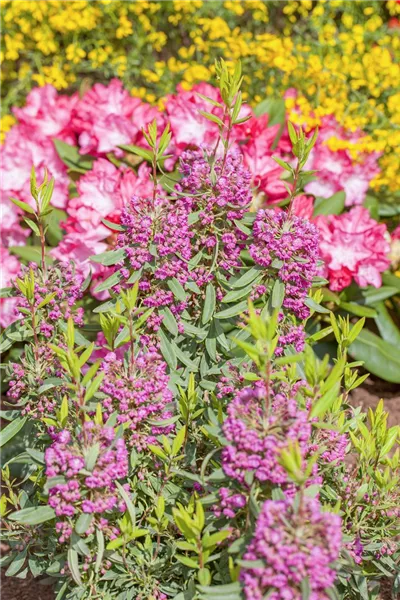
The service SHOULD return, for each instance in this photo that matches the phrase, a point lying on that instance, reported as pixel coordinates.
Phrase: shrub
(197, 448)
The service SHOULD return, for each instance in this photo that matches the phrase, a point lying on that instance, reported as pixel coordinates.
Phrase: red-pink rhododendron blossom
(353, 246)
(336, 169)
(10, 268)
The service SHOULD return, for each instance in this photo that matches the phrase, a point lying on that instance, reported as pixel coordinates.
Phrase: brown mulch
(367, 396)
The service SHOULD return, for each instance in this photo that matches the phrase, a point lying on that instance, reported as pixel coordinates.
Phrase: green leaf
(391, 280)
(6, 292)
(169, 321)
(215, 538)
(178, 441)
(129, 505)
(8, 432)
(330, 206)
(113, 226)
(278, 294)
(109, 258)
(23, 205)
(16, 564)
(114, 279)
(55, 232)
(209, 304)
(238, 294)
(32, 225)
(74, 566)
(100, 549)
(138, 151)
(232, 311)
(274, 108)
(188, 562)
(71, 157)
(387, 328)
(83, 523)
(358, 309)
(316, 307)
(177, 289)
(373, 295)
(33, 515)
(167, 350)
(30, 253)
(323, 404)
(379, 356)
(211, 117)
(246, 278)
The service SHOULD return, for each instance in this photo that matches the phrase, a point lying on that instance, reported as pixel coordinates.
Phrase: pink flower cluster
(353, 246)
(336, 169)
(290, 244)
(65, 284)
(220, 193)
(95, 451)
(257, 434)
(137, 395)
(293, 544)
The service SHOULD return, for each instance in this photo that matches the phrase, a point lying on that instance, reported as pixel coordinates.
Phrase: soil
(366, 396)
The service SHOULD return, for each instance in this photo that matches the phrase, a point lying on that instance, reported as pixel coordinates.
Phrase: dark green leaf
(110, 282)
(33, 515)
(232, 311)
(380, 357)
(71, 157)
(387, 328)
(8, 432)
(330, 206)
(109, 258)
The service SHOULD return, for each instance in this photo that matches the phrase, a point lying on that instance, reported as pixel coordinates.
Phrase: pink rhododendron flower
(11, 232)
(303, 206)
(10, 269)
(353, 246)
(24, 147)
(48, 113)
(257, 153)
(108, 116)
(102, 193)
(336, 169)
(78, 248)
(188, 126)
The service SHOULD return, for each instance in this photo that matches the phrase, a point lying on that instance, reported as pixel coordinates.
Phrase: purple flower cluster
(66, 285)
(90, 465)
(156, 236)
(291, 246)
(220, 194)
(26, 377)
(257, 434)
(137, 395)
(292, 545)
(229, 503)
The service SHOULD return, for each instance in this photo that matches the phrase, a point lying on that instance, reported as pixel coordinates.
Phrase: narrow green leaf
(209, 304)
(8, 432)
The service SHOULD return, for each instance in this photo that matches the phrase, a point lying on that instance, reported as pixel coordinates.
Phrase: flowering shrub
(185, 441)
(99, 193)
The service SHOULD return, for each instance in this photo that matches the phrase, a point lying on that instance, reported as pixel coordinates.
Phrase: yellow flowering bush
(341, 56)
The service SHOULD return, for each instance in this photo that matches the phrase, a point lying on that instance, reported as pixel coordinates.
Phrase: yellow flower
(6, 122)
